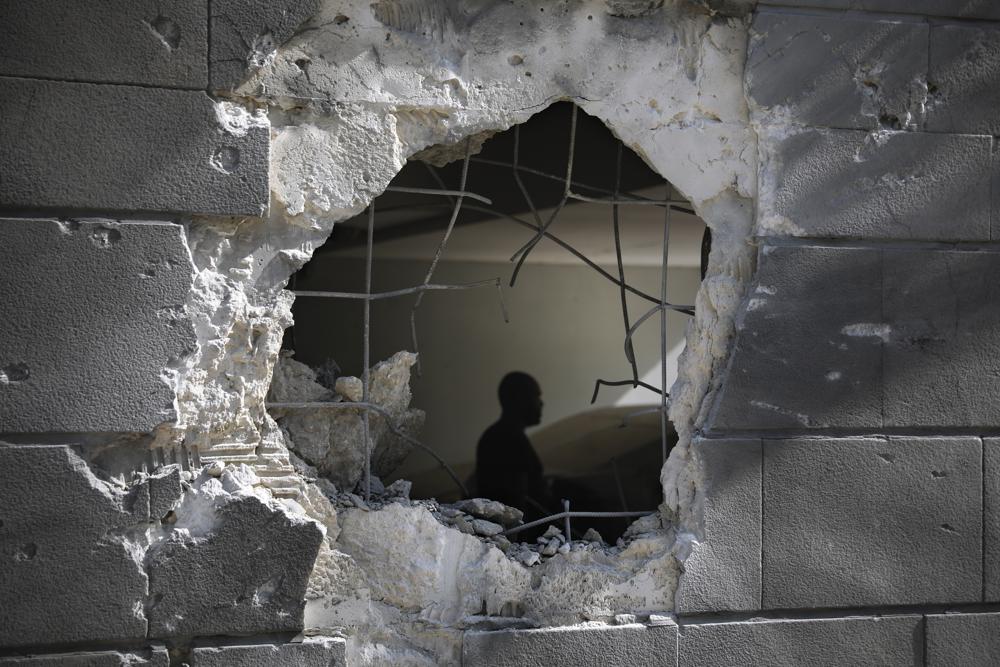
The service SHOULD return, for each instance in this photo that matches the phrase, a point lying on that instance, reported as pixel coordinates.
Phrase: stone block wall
(115, 549)
(847, 463)
(861, 383)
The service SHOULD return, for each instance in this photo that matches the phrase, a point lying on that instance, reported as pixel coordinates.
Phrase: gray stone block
(310, 653)
(67, 571)
(970, 640)
(83, 146)
(155, 657)
(838, 71)
(860, 522)
(232, 565)
(963, 90)
(245, 33)
(114, 41)
(852, 184)
(572, 647)
(722, 572)
(804, 356)
(991, 519)
(969, 9)
(995, 212)
(876, 641)
(942, 350)
(93, 319)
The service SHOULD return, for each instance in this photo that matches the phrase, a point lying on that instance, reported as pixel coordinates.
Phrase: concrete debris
(399, 489)
(221, 521)
(332, 440)
(486, 528)
(593, 536)
(491, 510)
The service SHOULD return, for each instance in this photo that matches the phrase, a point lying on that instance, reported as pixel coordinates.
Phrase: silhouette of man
(507, 467)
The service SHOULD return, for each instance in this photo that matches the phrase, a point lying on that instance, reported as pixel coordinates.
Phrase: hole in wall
(565, 326)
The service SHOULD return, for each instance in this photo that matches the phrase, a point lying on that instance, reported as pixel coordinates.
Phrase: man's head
(521, 398)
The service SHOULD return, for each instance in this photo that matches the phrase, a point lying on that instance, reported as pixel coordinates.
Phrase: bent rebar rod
(582, 515)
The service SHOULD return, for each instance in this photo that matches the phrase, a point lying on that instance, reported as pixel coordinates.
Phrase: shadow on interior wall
(595, 234)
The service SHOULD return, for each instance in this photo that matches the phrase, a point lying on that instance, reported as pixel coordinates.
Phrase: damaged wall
(153, 214)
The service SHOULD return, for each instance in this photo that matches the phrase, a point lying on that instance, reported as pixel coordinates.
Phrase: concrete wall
(836, 486)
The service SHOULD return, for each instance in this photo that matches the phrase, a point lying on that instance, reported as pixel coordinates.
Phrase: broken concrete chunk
(164, 491)
(399, 489)
(294, 382)
(491, 510)
(415, 563)
(464, 524)
(529, 558)
(486, 528)
(593, 536)
(332, 440)
(235, 562)
(351, 388)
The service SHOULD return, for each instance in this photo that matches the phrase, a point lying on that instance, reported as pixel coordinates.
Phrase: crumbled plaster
(332, 440)
(361, 88)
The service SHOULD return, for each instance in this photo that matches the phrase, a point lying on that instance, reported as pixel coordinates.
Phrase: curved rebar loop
(393, 428)
(620, 383)
(456, 208)
(366, 374)
(615, 224)
(540, 234)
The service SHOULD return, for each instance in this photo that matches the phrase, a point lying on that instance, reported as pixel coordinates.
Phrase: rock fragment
(491, 510)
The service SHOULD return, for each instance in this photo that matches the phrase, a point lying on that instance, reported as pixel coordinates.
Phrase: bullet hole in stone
(340, 19)
(527, 74)
(26, 551)
(302, 64)
(890, 121)
(590, 17)
(13, 373)
(148, 272)
(932, 89)
(938, 474)
(948, 529)
(168, 32)
(68, 226)
(105, 237)
(515, 60)
(888, 458)
(225, 159)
